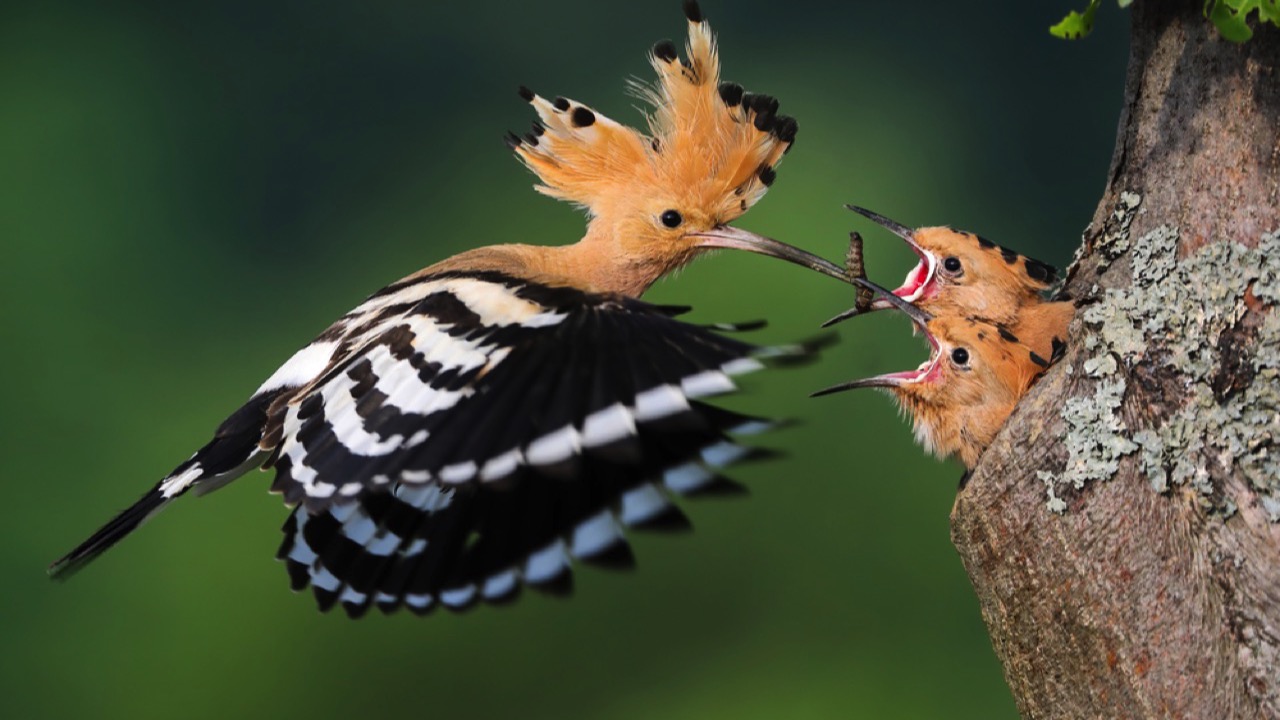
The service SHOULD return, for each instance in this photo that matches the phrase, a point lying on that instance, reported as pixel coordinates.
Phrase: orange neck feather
(596, 264)
(1040, 324)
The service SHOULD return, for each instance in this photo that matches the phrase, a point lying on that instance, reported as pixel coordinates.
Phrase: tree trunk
(1121, 533)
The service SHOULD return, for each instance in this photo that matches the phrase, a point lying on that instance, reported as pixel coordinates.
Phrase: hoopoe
(960, 397)
(476, 426)
(963, 274)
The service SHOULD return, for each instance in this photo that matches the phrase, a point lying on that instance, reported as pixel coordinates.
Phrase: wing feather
(457, 451)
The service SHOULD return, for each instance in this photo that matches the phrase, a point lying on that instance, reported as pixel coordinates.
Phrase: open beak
(897, 379)
(920, 277)
(732, 238)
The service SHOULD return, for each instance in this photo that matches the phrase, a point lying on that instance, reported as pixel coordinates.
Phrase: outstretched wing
(468, 407)
(473, 432)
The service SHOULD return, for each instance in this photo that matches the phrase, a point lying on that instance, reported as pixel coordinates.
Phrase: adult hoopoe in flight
(475, 426)
(961, 274)
(960, 397)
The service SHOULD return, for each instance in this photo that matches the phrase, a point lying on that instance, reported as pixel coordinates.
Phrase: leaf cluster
(1231, 17)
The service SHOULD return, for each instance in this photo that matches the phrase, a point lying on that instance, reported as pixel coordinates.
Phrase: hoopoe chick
(960, 397)
(475, 427)
(963, 274)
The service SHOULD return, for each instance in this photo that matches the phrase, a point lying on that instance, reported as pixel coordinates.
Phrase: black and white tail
(232, 452)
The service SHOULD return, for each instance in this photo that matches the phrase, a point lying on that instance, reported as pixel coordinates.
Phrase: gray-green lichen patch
(1267, 286)
(1115, 231)
(1096, 439)
(1152, 446)
(1115, 239)
(1173, 316)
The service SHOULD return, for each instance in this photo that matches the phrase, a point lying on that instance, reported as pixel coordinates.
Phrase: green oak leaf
(1269, 10)
(1077, 25)
(1231, 17)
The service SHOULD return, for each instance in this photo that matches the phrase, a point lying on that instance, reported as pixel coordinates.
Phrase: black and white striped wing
(473, 432)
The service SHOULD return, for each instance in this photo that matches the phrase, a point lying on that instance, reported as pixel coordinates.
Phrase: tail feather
(233, 451)
(110, 534)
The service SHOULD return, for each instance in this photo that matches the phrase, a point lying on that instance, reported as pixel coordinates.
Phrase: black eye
(960, 356)
(951, 264)
(671, 219)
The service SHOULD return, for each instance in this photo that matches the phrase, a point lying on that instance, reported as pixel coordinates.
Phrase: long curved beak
(923, 273)
(897, 379)
(732, 238)
(918, 316)
(891, 380)
(896, 228)
(851, 312)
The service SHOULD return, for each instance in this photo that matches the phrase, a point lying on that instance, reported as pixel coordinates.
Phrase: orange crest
(710, 144)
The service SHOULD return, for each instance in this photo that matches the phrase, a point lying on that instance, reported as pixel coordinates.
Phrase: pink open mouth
(928, 369)
(919, 282)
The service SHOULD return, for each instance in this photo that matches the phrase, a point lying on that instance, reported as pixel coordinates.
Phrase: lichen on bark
(1175, 313)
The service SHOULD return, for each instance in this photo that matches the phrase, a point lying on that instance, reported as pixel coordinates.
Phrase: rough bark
(1120, 533)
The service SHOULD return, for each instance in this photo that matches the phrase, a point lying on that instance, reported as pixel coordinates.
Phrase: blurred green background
(190, 193)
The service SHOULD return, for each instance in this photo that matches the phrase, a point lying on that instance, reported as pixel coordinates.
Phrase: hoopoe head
(961, 395)
(960, 273)
(656, 199)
